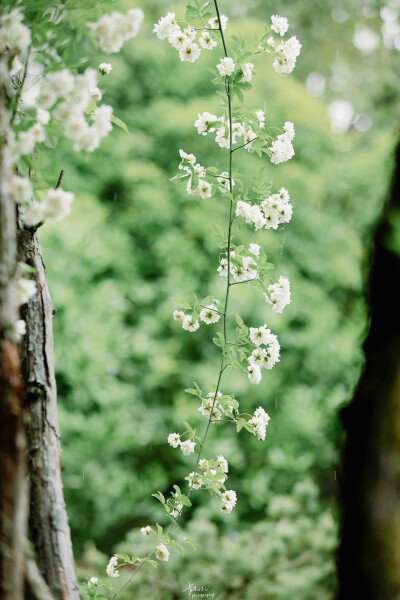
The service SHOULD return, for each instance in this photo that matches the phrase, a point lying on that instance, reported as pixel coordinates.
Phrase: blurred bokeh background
(135, 240)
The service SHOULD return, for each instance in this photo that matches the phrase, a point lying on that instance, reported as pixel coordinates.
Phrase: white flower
(96, 94)
(208, 314)
(207, 406)
(222, 137)
(254, 374)
(260, 114)
(111, 568)
(190, 53)
(206, 41)
(281, 150)
(26, 142)
(188, 324)
(260, 335)
(21, 189)
(162, 552)
(204, 123)
(228, 499)
(223, 180)
(13, 33)
(113, 30)
(57, 204)
(279, 295)
(249, 135)
(61, 82)
(176, 511)
(279, 25)
(186, 158)
(222, 463)
(195, 481)
(92, 581)
(226, 66)
(32, 214)
(174, 440)
(179, 316)
(214, 24)
(179, 39)
(187, 447)
(19, 329)
(247, 69)
(165, 26)
(105, 68)
(26, 288)
(254, 249)
(286, 54)
(288, 128)
(277, 209)
(42, 116)
(204, 189)
(145, 530)
(259, 422)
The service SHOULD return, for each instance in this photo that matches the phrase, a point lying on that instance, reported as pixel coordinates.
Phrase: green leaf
(191, 543)
(153, 563)
(185, 500)
(193, 392)
(119, 123)
(182, 303)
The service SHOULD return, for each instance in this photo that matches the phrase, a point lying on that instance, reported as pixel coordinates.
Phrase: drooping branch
(369, 554)
(48, 519)
(13, 490)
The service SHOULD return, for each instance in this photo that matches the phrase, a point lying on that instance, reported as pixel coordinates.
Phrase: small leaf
(119, 123)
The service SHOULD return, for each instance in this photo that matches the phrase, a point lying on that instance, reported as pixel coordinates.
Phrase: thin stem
(243, 145)
(222, 366)
(60, 178)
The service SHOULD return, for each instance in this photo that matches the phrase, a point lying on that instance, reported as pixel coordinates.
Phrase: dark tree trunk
(48, 517)
(13, 490)
(369, 554)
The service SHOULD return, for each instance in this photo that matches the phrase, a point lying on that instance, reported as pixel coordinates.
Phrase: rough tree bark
(13, 489)
(48, 519)
(369, 554)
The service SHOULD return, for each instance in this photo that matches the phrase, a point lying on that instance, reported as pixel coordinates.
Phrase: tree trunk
(48, 518)
(13, 490)
(369, 554)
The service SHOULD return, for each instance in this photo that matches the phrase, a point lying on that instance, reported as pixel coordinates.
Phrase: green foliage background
(135, 240)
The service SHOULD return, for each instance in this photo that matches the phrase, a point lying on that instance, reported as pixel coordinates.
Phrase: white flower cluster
(282, 148)
(188, 164)
(230, 404)
(111, 568)
(241, 267)
(54, 207)
(287, 52)
(113, 30)
(187, 447)
(228, 501)
(271, 212)
(13, 33)
(266, 353)
(146, 530)
(68, 97)
(93, 581)
(259, 422)
(187, 321)
(212, 475)
(209, 314)
(208, 123)
(278, 294)
(184, 40)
